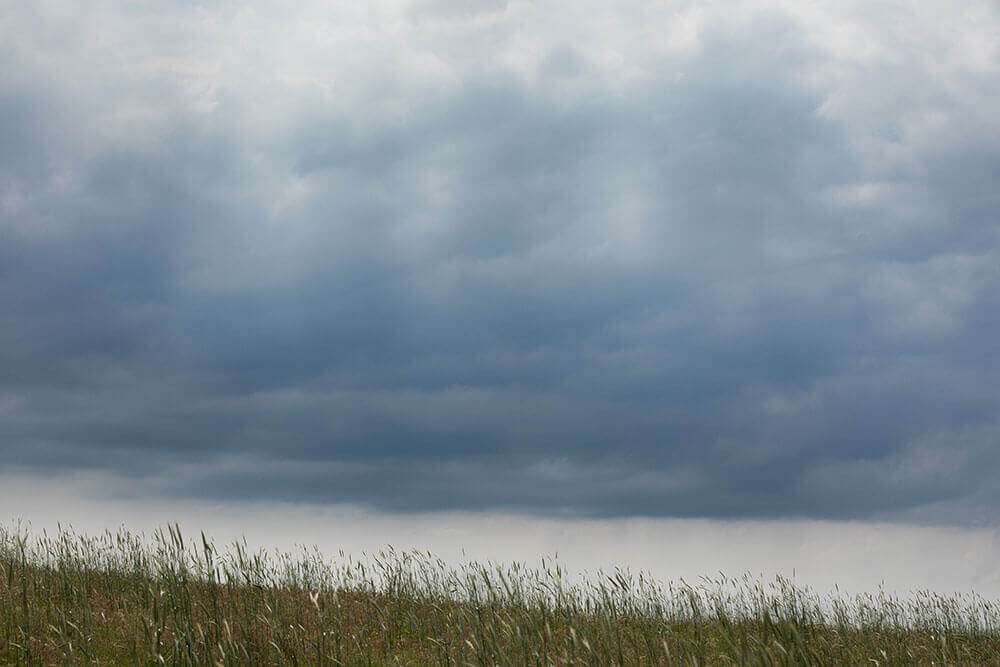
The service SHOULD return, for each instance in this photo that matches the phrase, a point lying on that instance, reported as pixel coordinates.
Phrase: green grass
(125, 599)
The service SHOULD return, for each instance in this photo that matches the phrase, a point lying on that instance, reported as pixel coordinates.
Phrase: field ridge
(125, 598)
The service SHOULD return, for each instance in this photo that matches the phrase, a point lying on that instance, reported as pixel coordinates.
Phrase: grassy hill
(121, 598)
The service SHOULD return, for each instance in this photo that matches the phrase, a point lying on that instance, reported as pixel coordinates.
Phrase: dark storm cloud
(706, 283)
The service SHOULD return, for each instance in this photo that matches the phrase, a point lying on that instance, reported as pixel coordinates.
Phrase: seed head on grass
(165, 599)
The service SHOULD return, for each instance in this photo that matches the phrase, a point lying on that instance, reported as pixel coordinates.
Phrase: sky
(834, 559)
(706, 261)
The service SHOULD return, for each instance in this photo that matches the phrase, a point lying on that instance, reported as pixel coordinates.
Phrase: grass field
(122, 598)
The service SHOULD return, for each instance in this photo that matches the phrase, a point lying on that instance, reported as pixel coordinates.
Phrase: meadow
(126, 598)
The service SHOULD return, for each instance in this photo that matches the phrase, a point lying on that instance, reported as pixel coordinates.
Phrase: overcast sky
(661, 259)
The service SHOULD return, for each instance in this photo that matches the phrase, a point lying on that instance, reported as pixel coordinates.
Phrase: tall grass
(123, 598)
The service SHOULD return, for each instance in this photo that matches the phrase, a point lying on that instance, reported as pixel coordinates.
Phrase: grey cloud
(698, 298)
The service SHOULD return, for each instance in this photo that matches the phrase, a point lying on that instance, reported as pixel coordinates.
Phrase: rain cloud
(648, 259)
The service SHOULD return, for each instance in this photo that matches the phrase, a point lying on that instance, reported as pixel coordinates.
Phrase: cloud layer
(678, 260)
